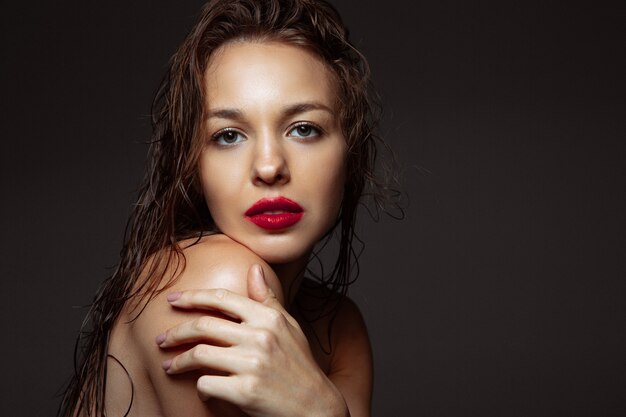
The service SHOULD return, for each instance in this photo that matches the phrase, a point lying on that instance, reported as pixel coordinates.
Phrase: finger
(202, 357)
(227, 388)
(260, 291)
(257, 287)
(227, 302)
(203, 329)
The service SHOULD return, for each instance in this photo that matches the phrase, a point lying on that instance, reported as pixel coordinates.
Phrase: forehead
(242, 73)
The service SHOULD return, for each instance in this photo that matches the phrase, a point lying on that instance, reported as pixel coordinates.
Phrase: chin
(279, 249)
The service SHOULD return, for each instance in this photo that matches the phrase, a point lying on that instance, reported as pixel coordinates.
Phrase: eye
(227, 137)
(305, 130)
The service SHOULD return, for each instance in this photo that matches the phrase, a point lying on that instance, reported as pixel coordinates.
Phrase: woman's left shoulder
(349, 315)
(341, 345)
(336, 326)
(329, 307)
(349, 334)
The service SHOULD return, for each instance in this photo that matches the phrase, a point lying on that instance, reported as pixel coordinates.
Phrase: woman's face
(272, 167)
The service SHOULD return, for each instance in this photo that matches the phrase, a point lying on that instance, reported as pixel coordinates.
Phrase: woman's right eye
(227, 137)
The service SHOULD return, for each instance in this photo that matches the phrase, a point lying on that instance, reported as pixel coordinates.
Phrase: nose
(270, 162)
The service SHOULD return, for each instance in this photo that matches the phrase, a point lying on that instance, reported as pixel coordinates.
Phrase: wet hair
(170, 206)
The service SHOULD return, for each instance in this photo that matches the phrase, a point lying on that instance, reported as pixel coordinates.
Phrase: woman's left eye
(305, 130)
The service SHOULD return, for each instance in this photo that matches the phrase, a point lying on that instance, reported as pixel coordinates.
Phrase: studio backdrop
(500, 293)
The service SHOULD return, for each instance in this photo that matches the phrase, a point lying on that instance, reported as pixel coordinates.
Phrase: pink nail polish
(160, 338)
(174, 296)
(166, 364)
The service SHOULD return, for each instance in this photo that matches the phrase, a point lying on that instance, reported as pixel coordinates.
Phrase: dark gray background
(500, 294)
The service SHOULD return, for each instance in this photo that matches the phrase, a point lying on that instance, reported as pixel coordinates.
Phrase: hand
(264, 362)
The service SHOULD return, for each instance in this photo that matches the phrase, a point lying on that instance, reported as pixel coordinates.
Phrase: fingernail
(174, 296)
(166, 364)
(259, 271)
(160, 338)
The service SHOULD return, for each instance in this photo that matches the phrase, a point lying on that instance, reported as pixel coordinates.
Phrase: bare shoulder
(352, 339)
(213, 262)
(340, 342)
(217, 261)
(336, 320)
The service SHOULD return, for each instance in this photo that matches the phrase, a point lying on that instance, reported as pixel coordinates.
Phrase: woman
(262, 147)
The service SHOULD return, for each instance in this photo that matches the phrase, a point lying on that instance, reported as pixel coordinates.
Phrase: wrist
(332, 404)
(339, 408)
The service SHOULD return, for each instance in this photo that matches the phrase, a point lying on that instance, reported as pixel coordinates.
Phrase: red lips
(286, 213)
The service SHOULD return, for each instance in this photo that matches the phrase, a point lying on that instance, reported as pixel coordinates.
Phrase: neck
(290, 276)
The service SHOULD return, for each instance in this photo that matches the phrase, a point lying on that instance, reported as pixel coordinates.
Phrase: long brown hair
(170, 208)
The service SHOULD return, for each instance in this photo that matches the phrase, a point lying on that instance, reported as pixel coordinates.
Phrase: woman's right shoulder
(214, 261)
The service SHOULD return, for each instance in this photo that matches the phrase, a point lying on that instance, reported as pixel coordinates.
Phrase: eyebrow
(291, 110)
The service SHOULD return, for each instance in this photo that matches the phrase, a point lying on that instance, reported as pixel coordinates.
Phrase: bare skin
(228, 341)
(157, 393)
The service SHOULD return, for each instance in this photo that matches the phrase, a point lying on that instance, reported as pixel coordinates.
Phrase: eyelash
(313, 126)
(317, 132)
(216, 136)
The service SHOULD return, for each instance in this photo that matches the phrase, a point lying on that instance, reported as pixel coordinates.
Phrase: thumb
(257, 287)
(258, 290)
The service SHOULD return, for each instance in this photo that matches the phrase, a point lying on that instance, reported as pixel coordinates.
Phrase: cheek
(329, 177)
(217, 184)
